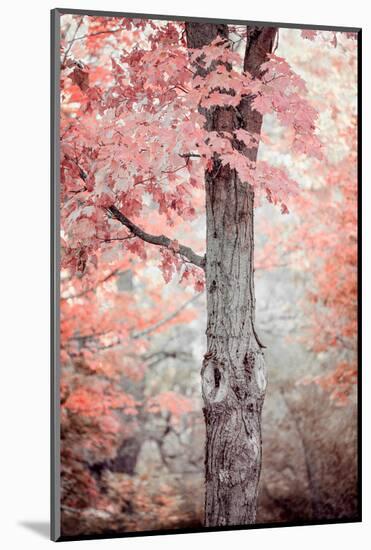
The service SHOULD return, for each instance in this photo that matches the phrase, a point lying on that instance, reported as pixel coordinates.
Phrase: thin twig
(166, 319)
(72, 41)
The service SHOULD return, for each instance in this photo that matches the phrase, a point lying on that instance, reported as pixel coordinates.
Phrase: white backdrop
(24, 286)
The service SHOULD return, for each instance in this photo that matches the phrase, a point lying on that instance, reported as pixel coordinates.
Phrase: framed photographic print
(205, 286)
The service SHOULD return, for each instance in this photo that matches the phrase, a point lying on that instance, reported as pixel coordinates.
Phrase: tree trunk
(233, 371)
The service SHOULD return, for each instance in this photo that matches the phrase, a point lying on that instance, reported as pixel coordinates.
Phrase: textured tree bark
(233, 372)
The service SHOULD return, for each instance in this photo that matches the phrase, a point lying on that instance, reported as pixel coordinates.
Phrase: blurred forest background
(132, 428)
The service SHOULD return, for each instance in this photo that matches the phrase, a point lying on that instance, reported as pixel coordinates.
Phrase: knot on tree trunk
(214, 376)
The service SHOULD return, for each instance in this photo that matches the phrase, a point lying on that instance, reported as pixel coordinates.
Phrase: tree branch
(158, 240)
(70, 42)
(92, 288)
(166, 319)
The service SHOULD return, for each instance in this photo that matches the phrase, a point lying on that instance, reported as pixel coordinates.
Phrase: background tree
(110, 401)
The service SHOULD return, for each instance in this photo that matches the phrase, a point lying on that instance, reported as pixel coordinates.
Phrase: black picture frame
(55, 527)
